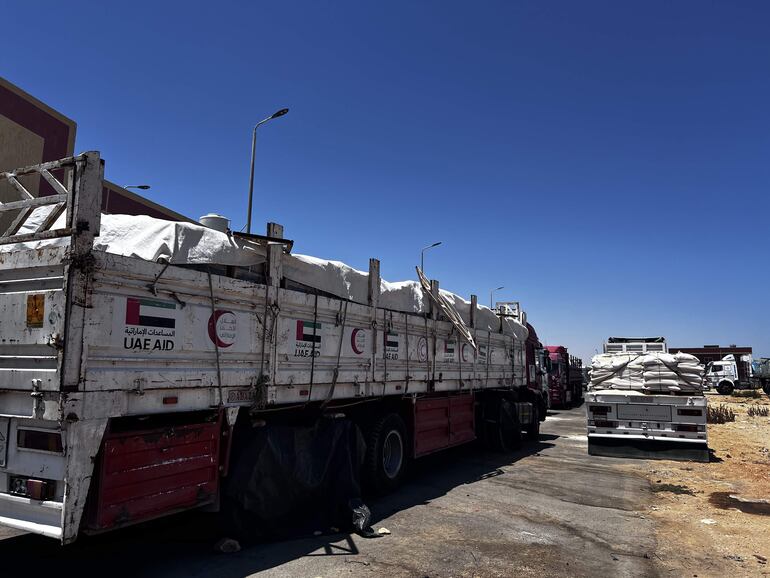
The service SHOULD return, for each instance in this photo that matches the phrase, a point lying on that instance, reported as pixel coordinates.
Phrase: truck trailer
(644, 402)
(135, 354)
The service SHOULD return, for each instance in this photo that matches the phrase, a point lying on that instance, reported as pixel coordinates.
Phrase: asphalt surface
(546, 510)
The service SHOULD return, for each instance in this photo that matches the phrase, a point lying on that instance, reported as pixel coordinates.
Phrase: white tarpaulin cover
(155, 239)
(182, 243)
(346, 282)
(651, 372)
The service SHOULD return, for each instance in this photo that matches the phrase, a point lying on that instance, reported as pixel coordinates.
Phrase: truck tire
(533, 429)
(386, 454)
(503, 431)
(766, 387)
(725, 388)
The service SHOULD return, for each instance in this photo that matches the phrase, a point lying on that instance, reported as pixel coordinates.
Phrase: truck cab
(723, 375)
(729, 374)
(558, 375)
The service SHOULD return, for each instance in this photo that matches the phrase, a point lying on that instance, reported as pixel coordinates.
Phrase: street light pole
(492, 293)
(253, 153)
(142, 187)
(422, 255)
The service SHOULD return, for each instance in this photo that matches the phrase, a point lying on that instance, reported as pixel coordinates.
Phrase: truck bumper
(645, 448)
(31, 515)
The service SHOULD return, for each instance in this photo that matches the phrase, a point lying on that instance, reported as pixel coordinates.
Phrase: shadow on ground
(182, 545)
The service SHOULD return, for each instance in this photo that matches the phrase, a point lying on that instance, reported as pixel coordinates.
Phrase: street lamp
(422, 255)
(142, 187)
(253, 152)
(492, 293)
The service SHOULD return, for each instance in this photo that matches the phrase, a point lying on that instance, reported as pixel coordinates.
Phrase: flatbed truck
(633, 422)
(123, 381)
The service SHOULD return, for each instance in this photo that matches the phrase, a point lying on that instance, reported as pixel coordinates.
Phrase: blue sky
(607, 162)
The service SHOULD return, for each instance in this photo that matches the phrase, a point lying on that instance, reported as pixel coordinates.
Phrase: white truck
(644, 402)
(124, 370)
(724, 375)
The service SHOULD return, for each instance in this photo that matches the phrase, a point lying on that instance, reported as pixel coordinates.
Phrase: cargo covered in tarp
(183, 243)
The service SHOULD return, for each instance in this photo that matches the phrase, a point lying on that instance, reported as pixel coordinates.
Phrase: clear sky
(607, 162)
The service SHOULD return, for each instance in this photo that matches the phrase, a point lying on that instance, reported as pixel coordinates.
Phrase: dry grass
(758, 411)
(720, 414)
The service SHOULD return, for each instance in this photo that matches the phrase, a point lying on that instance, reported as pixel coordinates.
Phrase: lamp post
(422, 255)
(142, 187)
(492, 293)
(281, 112)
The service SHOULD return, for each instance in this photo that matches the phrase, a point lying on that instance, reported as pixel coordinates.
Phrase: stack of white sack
(651, 372)
(664, 372)
(616, 371)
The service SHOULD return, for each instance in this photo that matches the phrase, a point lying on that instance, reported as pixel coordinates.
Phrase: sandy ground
(700, 531)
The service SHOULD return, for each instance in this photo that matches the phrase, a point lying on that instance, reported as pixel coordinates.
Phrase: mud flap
(649, 449)
(291, 480)
(83, 441)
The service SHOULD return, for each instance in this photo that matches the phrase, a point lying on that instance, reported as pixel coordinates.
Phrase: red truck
(565, 377)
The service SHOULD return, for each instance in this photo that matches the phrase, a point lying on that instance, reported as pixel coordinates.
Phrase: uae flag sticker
(308, 331)
(391, 341)
(150, 313)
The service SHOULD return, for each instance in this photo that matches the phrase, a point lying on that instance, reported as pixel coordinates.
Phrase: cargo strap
(216, 339)
(386, 329)
(406, 340)
(264, 335)
(153, 287)
(427, 355)
(336, 373)
(312, 353)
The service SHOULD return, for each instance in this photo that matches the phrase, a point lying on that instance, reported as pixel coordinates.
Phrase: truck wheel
(386, 454)
(725, 388)
(766, 387)
(542, 406)
(533, 429)
(503, 432)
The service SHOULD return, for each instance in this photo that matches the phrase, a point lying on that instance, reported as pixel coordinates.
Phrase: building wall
(31, 132)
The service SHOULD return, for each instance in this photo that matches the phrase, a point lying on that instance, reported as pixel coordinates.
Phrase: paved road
(547, 510)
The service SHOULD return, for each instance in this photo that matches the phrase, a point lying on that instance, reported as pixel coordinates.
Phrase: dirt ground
(702, 530)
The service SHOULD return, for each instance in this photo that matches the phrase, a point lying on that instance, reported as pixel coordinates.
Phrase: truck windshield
(716, 368)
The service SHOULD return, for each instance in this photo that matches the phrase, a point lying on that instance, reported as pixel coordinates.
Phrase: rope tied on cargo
(216, 338)
(312, 352)
(153, 287)
(406, 341)
(386, 325)
(336, 372)
(264, 335)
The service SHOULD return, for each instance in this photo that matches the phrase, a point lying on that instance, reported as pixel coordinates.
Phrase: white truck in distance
(644, 402)
(138, 356)
(723, 375)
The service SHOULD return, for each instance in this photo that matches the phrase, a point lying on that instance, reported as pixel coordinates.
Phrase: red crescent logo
(357, 347)
(213, 334)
